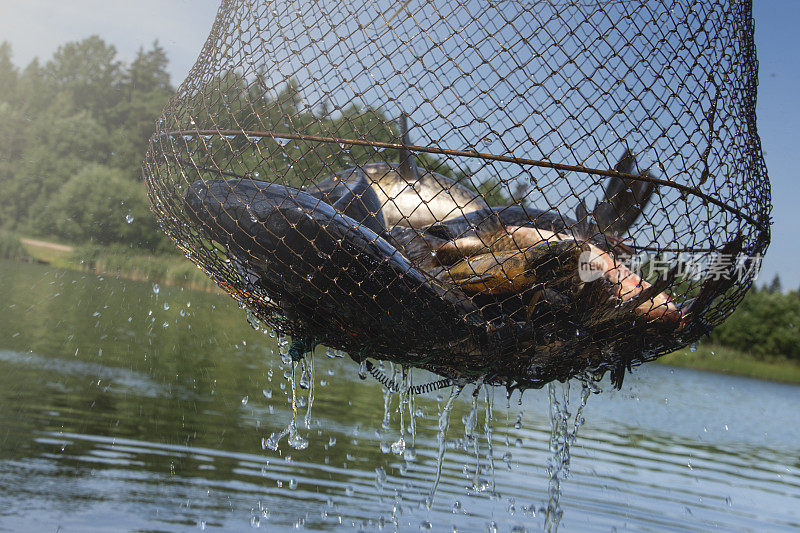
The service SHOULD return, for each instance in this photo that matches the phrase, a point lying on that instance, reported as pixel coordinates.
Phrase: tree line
(73, 132)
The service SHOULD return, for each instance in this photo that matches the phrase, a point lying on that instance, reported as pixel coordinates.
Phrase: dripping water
(471, 440)
(399, 446)
(487, 431)
(387, 398)
(307, 379)
(412, 415)
(295, 440)
(562, 437)
(441, 438)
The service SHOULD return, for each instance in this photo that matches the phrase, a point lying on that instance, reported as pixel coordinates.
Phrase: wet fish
(324, 268)
(352, 195)
(500, 231)
(407, 195)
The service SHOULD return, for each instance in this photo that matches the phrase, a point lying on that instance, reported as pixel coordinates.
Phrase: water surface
(125, 408)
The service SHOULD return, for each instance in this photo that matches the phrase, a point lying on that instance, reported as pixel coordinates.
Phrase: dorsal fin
(625, 199)
(408, 166)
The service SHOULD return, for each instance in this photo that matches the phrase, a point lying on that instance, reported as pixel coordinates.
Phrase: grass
(123, 262)
(729, 361)
(43, 252)
(164, 269)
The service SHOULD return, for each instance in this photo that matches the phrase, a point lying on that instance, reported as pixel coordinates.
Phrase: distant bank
(177, 271)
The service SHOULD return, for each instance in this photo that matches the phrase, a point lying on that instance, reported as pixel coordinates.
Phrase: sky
(35, 28)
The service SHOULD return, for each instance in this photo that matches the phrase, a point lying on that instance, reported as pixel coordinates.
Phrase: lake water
(126, 409)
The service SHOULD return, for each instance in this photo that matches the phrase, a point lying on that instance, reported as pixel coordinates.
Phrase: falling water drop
(128, 218)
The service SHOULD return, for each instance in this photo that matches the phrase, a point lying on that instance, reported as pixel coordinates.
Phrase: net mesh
(516, 191)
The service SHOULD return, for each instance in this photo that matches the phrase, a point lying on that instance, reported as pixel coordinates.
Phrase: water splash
(295, 440)
(562, 437)
(441, 438)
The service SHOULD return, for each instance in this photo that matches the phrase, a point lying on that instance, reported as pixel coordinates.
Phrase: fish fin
(585, 227)
(712, 288)
(408, 166)
(438, 230)
(625, 199)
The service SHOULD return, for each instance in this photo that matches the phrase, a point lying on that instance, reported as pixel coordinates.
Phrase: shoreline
(177, 271)
(724, 360)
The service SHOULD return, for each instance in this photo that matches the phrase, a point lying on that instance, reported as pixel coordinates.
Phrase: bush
(99, 204)
(11, 248)
(766, 323)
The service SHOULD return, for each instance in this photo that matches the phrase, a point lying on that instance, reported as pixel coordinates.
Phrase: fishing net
(500, 190)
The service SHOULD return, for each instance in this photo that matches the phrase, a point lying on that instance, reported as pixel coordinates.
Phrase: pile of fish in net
(512, 192)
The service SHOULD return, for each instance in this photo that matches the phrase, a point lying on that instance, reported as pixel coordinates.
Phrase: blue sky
(37, 27)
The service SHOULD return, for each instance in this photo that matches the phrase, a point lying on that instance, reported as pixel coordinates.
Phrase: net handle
(474, 154)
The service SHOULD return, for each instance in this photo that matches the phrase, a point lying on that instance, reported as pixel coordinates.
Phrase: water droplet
(244, 400)
(156, 288)
(166, 306)
(399, 446)
(292, 484)
(693, 347)
(362, 370)
(128, 218)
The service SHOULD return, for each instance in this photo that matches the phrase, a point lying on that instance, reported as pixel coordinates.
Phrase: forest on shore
(73, 133)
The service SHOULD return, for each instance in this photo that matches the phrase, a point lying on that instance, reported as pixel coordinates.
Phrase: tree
(8, 74)
(775, 284)
(88, 74)
(101, 205)
(145, 90)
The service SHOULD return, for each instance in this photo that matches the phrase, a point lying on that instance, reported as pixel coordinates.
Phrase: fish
(325, 269)
(407, 195)
(506, 230)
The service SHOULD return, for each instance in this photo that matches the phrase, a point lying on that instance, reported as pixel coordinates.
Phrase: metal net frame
(499, 190)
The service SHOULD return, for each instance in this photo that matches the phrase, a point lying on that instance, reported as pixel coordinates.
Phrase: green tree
(766, 323)
(87, 74)
(775, 284)
(8, 74)
(55, 150)
(100, 204)
(145, 89)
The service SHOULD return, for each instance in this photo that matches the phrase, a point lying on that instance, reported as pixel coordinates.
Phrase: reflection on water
(123, 409)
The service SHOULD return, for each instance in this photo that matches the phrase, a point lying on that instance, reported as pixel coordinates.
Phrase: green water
(127, 408)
